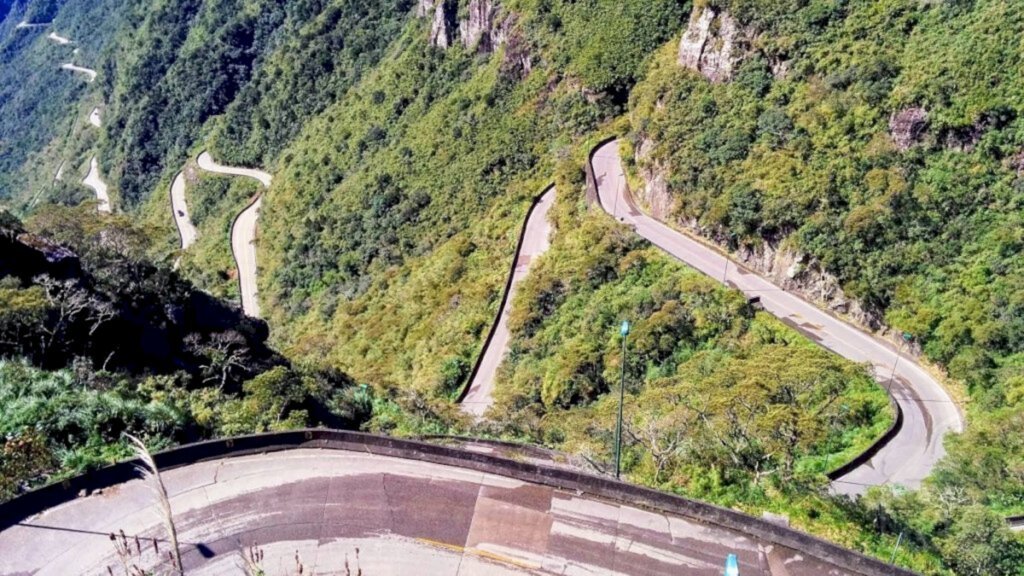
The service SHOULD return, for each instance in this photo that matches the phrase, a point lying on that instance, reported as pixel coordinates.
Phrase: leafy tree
(981, 543)
(24, 458)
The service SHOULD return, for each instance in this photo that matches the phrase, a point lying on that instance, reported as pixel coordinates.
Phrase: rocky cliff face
(712, 44)
(441, 27)
(424, 8)
(656, 197)
(25, 256)
(483, 30)
(800, 273)
(518, 60)
(478, 30)
(907, 127)
(790, 269)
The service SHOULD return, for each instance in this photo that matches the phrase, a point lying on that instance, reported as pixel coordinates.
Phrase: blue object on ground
(732, 566)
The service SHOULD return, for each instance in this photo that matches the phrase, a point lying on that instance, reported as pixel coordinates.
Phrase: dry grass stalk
(151, 476)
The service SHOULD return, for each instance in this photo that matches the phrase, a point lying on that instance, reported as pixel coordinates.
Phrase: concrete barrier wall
(47, 497)
(865, 456)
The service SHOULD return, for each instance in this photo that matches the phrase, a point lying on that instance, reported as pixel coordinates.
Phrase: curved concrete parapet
(927, 412)
(534, 240)
(179, 207)
(243, 232)
(409, 507)
(94, 181)
(89, 73)
(1016, 523)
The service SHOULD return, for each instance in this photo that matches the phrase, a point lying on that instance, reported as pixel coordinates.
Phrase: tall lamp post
(907, 337)
(624, 332)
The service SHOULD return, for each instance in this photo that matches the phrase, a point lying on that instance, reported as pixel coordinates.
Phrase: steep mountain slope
(95, 341)
(872, 147)
(38, 101)
(878, 173)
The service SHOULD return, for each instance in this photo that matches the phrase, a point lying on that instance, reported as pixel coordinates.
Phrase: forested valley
(875, 147)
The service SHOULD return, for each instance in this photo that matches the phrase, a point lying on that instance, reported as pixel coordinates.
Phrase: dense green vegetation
(700, 360)
(195, 60)
(392, 206)
(402, 173)
(45, 108)
(926, 238)
(100, 343)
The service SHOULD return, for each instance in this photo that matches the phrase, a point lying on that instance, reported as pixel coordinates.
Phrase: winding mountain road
(179, 207)
(27, 24)
(243, 232)
(534, 242)
(94, 181)
(88, 72)
(94, 118)
(929, 412)
(59, 39)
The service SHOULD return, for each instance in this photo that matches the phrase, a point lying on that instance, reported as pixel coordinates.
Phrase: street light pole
(624, 332)
(907, 337)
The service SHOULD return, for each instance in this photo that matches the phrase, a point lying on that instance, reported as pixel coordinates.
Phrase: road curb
(593, 197)
(875, 447)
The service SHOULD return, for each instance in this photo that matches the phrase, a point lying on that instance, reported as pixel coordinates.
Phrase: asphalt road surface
(89, 72)
(59, 39)
(536, 240)
(186, 230)
(929, 413)
(243, 233)
(93, 180)
(384, 516)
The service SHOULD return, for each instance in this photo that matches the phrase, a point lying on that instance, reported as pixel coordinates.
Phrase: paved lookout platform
(390, 506)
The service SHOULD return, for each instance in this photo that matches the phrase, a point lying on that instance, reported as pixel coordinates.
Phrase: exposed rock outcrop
(518, 60)
(792, 270)
(483, 30)
(1017, 163)
(656, 197)
(442, 26)
(800, 273)
(907, 127)
(780, 68)
(424, 8)
(25, 256)
(478, 29)
(712, 44)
